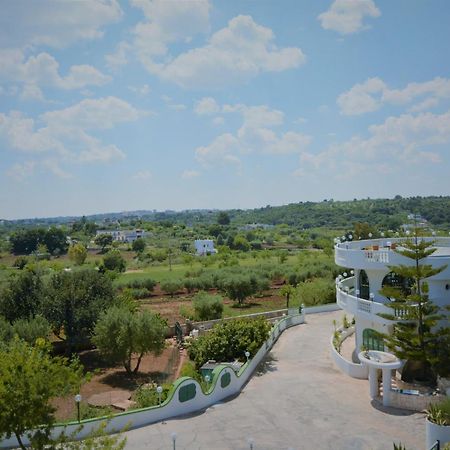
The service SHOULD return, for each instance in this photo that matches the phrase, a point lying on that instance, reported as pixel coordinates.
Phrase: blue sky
(141, 104)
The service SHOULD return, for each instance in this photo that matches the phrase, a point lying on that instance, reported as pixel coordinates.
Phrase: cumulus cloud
(206, 105)
(55, 23)
(374, 93)
(234, 54)
(399, 142)
(347, 16)
(62, 136)
(43, 70)
(257, 133)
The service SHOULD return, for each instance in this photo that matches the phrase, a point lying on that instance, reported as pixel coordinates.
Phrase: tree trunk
(138, 363)
(19, 440)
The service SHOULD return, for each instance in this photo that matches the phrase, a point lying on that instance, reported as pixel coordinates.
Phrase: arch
(372, 339)
(399, 282)
(364, 285)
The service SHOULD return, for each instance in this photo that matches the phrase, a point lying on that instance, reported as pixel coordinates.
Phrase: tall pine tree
(415, 337)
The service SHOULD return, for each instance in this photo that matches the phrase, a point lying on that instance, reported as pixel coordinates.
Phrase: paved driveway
(298, 400)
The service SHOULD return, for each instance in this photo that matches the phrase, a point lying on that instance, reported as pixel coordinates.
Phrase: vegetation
(25, 242)
(78, 254)
(30, 377)
(74, 302)
(121, 333)
(146, 396)
(114, 261)
(228, 341)
(439, 413)
(207, 306)
(415, 339)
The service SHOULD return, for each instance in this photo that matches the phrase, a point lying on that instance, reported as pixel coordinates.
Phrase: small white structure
(124, 235)
(204, 247)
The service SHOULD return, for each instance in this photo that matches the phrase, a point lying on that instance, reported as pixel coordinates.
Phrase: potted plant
(438, 423)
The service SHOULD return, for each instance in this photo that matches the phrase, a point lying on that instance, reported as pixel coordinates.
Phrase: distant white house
(204, 247)
(124, 235)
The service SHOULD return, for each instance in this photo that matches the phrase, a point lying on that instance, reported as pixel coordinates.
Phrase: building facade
(366, 270)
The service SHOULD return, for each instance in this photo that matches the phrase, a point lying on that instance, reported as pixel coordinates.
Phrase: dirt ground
(111, 381)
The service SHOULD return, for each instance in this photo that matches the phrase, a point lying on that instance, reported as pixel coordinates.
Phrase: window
(372, 340)
(187, 392)
(225, 380)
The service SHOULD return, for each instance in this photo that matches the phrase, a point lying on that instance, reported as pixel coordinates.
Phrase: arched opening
(402, 284)
(372, 340)
(364, 287)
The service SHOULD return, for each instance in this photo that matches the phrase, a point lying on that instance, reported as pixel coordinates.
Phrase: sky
(109, 106)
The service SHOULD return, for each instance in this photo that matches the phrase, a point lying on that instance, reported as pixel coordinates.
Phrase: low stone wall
(350, 368)
(413, 402)
(186, 395)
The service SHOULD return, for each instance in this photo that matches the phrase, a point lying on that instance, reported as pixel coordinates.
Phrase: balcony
(348, 301)
(378, 253)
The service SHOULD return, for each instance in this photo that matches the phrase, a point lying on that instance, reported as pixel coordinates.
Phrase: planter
(435, 433)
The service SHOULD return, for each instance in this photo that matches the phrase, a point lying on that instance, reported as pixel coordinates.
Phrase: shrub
(230, 340)
(171, 286)
(21, 262)
(439, 413)
(113, 260)
(146, 396)
(207, 307)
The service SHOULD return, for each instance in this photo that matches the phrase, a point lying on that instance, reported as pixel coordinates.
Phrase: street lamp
(159, 390)
(78, 401)
(370, 235)
(250, 443)
(247, 355)
(207, 379)
(345, 274)
(371, 296)
(174, 440)
(357, 292)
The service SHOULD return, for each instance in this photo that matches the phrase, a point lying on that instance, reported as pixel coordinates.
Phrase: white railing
(347, 300)
(381, 256)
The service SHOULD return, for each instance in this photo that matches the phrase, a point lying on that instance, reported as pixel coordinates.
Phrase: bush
(207, 307)
(146, 396)
(171, 286)
(21, 262)
(113, 260)
(230, 340)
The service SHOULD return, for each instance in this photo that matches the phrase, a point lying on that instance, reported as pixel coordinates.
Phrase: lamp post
(174, 440)
(207, 379)
(357, 292)
(159, 390)
(371, 296)
(78, 401)
(247, 355)
(250, 443)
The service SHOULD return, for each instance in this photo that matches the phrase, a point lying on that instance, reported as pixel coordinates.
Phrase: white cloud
(234, 54)
(32, 92)
(218, 121)
(206, 105)
(55, 23)
(21, 171)
(43, 70)
(141, 90)
(165, 23)
(256, 134)
(61, 136)
(360, 99)
(142, 175)
(188, 174)
(373, 93)
(397, 143)
(347, 16)
(221, 151)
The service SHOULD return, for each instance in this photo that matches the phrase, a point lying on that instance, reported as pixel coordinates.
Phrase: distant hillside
(388, 213)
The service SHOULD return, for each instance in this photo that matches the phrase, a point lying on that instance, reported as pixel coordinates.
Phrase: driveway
(296, 400)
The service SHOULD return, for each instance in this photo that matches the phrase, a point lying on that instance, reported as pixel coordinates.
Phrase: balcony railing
(348, 301)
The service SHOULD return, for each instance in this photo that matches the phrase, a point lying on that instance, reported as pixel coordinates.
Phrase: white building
(124, 235)
(204, 247)
(367, 264)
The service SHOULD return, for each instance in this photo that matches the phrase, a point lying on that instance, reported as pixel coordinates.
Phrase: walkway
(299, 400)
